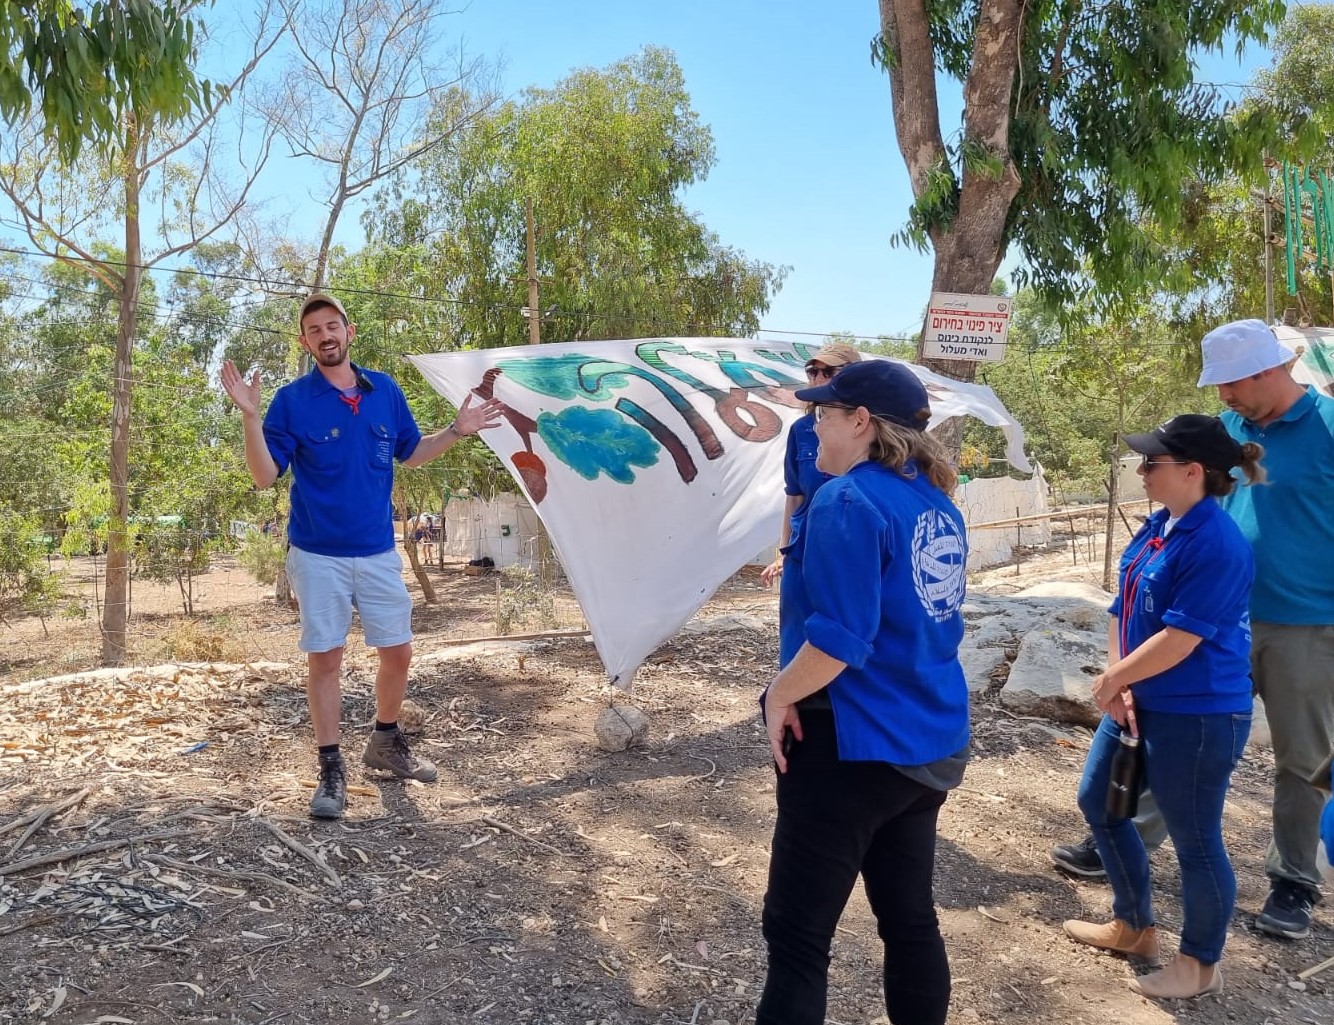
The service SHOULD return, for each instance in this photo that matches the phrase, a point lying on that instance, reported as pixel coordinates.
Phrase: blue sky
(808, 172)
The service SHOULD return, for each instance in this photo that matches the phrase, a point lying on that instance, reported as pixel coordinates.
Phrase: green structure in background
(1302, 188)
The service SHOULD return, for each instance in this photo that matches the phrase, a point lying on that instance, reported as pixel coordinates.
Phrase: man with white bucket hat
(1290, 523)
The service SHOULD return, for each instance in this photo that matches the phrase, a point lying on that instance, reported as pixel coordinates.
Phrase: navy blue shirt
(1197, 579)
(342, 459)
(800, 477)
(1287, 519)
(877, 580)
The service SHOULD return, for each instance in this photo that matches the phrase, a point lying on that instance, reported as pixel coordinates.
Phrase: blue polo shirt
(1288, 518)
(1197, 579)
(342, 460)
(877, 581)
(800, 477)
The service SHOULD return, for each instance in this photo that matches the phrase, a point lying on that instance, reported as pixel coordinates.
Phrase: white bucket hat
(1239, 350)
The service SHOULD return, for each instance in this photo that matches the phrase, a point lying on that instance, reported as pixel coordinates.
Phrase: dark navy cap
(888, 390)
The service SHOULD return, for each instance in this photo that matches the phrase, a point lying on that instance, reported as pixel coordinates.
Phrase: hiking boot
(331, 794)
(1081, 859)
(1287, 911)
(388, 750)
(1117, 937)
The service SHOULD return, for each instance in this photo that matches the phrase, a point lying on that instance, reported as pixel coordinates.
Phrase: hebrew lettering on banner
(656, 465)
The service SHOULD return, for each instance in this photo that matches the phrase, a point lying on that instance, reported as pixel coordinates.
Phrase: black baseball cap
(888, 390)
(1191, 436)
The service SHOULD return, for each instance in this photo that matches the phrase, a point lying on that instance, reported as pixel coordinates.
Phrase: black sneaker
(331, 794)
(1081, 859)
(1287, 911)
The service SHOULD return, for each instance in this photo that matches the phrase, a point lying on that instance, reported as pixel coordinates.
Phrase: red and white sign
(967, 326)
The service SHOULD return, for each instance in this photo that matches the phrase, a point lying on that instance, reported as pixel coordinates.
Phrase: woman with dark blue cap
(868, 717)
(1179, 678)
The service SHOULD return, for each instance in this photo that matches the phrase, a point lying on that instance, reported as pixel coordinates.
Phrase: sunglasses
(817, 372)
(1146, 464)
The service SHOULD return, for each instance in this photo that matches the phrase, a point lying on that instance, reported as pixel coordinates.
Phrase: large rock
(1053, 675)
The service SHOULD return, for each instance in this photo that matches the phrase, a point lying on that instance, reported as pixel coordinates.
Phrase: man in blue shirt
(1289, 524)
(340, 428)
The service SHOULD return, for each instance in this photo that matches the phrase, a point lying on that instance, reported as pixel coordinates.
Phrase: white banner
(656, 465)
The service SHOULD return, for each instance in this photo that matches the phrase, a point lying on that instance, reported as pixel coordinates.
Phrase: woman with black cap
(868, 718)
(1178, 677)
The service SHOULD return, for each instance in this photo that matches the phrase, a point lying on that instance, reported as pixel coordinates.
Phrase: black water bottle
(1127, 772)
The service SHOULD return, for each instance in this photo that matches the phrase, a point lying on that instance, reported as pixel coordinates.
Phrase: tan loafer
(1116, 936)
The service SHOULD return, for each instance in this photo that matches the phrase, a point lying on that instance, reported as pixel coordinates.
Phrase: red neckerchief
(352, 400)
(1131, 589)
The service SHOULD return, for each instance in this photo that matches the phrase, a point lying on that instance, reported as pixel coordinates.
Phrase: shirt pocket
(324, 447)
(383, 439)
(1155, 592)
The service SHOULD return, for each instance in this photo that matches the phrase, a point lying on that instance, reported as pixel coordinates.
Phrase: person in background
(801, 477)
(1292, 603)
(868, 718)
(339, 428)
(1178, 677)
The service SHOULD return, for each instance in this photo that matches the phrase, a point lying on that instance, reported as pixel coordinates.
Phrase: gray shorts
(330, 587)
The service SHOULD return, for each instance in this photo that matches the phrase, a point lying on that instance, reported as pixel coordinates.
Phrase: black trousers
(836, 821)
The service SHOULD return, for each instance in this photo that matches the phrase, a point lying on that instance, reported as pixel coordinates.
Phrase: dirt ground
(146, 878)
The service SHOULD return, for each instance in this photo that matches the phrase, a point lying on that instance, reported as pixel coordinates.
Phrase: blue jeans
(838, 821)
(1188, 762)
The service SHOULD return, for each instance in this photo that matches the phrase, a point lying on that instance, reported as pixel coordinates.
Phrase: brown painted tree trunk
(116, 604)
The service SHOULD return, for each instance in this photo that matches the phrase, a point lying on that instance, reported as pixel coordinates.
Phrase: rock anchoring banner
(656, 465)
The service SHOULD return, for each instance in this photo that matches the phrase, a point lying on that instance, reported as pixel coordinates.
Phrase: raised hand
(472, 419)
(243, 393)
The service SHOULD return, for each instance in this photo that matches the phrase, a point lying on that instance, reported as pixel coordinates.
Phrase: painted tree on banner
(655, 465)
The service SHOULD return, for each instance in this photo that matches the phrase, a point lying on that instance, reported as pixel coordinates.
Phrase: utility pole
(1269, 245)
(534, 310)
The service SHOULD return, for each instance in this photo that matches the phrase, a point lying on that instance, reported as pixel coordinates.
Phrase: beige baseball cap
(836, 354)
(318, 298)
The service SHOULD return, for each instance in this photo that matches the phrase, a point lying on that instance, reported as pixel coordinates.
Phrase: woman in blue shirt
(801, 477)
(868, 718)
(1178, 677)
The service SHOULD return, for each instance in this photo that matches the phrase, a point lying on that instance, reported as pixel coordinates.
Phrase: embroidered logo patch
(938, 564)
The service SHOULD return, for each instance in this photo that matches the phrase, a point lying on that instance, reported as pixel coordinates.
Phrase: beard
(331, 356)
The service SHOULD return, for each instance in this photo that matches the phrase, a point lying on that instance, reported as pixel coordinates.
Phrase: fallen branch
(299, 848)
(38, 818)
(497, 824)
(256, 877)
(1316, 969)
(82, 852)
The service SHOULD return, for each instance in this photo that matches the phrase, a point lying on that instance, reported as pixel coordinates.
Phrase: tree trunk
(970, 244)
(1113, 499)
(115, 608)
(410, 546)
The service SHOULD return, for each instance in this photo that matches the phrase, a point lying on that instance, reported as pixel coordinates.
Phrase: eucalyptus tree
(363, 76)
(1081, 122)
(602, 159)
(141, 186)
(85, 66)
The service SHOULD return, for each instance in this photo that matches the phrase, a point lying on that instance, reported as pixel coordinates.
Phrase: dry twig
(497, 824)
(257, 877)
(38, 818)
(297, 847)
(80, 852)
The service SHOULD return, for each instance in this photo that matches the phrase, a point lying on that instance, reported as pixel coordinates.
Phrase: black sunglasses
(825, 372)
